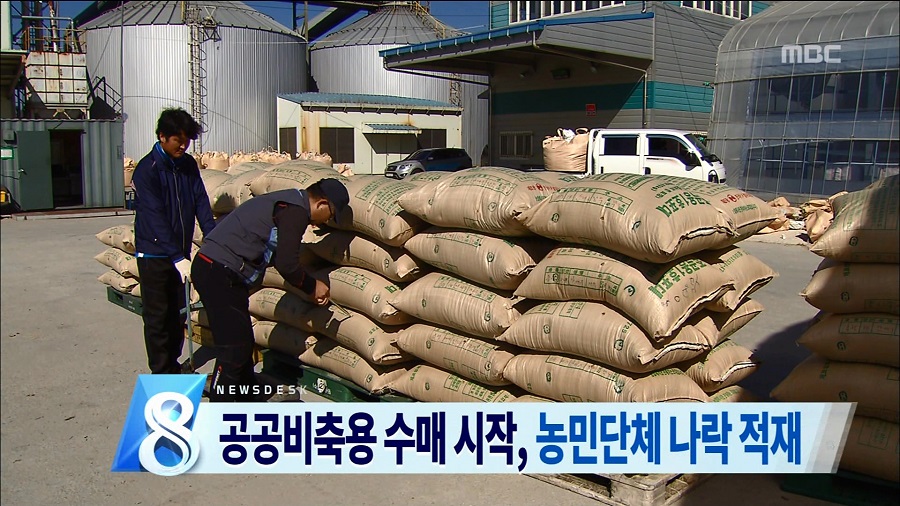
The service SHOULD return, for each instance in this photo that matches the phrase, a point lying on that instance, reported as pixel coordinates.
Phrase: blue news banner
(168, 431)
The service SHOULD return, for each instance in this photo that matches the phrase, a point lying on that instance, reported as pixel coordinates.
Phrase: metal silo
(347, 61)
(223, 59)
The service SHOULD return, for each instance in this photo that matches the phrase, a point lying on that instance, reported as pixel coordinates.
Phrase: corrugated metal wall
(359, 69)
(246, 69)
(101, 158)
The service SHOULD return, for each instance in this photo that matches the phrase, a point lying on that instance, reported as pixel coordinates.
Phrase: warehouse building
(586, 64)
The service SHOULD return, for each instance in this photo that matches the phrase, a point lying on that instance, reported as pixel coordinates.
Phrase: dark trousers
(227, 302)
(162, 295)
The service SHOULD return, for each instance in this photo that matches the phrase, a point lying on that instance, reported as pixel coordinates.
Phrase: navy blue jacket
(168, 195)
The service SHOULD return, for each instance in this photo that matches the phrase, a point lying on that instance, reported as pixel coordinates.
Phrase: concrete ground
(70, 359)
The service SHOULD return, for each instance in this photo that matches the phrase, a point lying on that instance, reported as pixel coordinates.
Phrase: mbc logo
(810, 53)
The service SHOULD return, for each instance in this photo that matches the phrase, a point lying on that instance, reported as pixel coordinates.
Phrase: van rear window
(620, 144)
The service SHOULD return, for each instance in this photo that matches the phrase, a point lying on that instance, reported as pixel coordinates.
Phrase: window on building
(529, 11)
(337, 142)
(287, 140)
(516, 144)
(738, 10)
(620, 145)
(432, 138)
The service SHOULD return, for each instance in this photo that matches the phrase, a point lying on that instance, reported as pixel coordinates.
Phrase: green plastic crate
(844, 487)
(126, 300)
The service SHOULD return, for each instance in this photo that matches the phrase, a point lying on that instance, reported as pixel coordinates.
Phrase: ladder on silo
(440, 29)
(202, 27)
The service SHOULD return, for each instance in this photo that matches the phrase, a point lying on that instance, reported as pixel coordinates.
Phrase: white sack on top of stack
(658, 297)
(297, 174)
(487, 199)
(449, 301)
(644, 217)
(841, 288)
(866, 226)
(376, 212)
(491, 261)
(241, 168)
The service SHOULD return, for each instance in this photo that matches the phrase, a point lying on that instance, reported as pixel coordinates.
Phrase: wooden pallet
(627, 489)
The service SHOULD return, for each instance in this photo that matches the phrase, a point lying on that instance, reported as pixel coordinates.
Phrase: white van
(650, 151)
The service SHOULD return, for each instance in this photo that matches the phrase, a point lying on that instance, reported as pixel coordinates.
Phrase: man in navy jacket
(169, 194)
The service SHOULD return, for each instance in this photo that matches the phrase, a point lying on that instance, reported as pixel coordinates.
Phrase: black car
(432, 159)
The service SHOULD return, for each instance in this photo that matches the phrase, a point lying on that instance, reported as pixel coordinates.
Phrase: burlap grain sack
(229, 195)
(871, 448)
(451, 302)
(468, 357)
(872, 338)
(280, 306)
(354, 250)
(200, 318)
(218, 161)
(487, 199)
(366, 292)
(570, 379)
(725, 365)
(119, 282)
(212, 179)
(748, 272)
(357, 332)
(119, 261)
(243, 168)
(659, 298)
(748, 214)
(298, 174)
(730, 322)
(430, 384)
(733, 393)
(563, 154)
(875, 388)
(666, 385)
(854, 288)
(487, 260)
(426, 177)
(136, 291)
(118, 236)
(649, 218)
(280, 337)
(560, 179)
(866, 226)
(376, 211)
(334, 358)
(599, 333)
(817, 223)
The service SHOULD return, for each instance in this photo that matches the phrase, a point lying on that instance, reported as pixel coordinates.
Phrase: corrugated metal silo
(142, 50)
(347, 61)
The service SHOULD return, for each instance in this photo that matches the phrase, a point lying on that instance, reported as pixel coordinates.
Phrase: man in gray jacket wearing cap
(265, 230)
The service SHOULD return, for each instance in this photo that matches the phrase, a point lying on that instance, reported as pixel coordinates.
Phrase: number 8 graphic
(163, 427)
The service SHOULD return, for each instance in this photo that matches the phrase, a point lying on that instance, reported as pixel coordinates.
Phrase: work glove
(184, 269)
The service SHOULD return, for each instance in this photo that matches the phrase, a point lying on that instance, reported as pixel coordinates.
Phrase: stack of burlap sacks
(856, 336)
(580, 322)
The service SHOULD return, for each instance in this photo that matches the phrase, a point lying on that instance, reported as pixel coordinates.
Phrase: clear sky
(470, 16)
